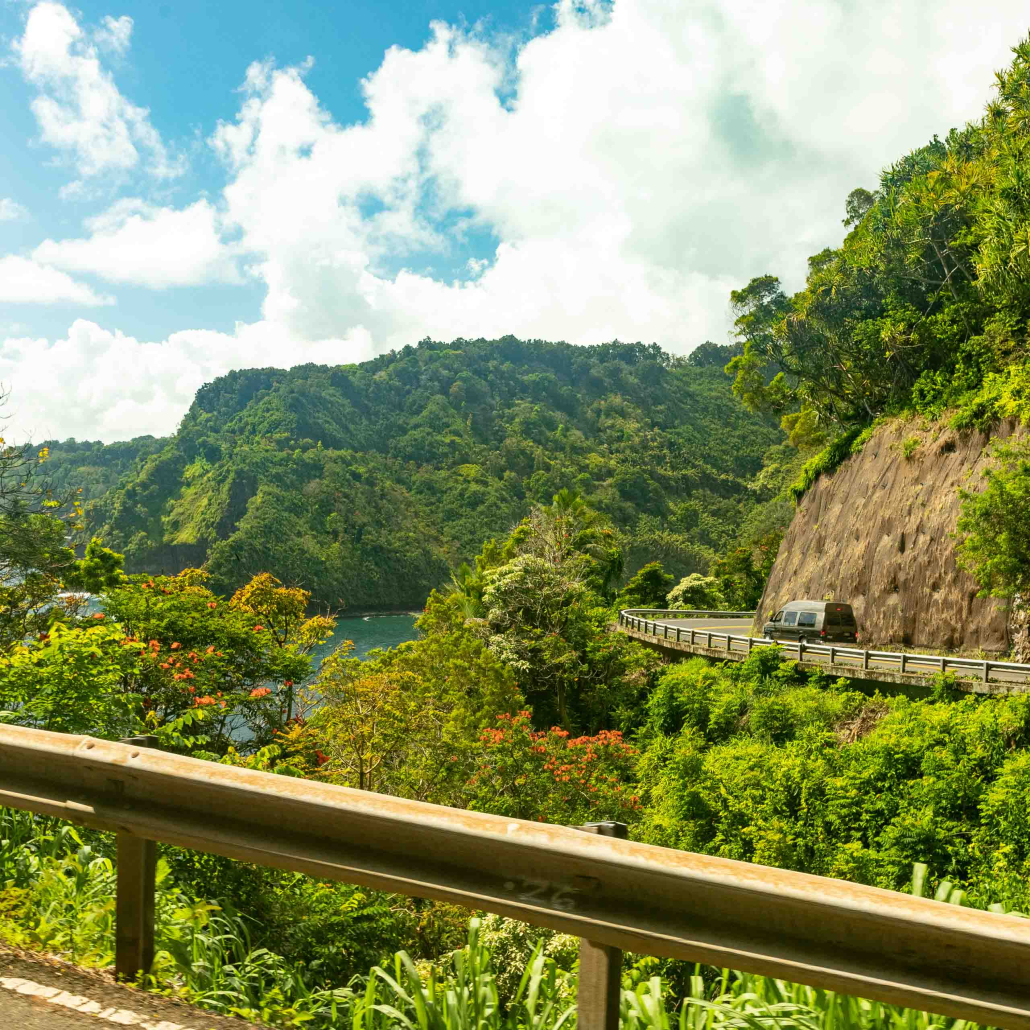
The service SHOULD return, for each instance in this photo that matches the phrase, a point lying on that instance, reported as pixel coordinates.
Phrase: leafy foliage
(649, 588)
(767, 763)
(700, 592)
(367, 483)
(995, 530)
(926, 303)
(36, 565)
(552, 777)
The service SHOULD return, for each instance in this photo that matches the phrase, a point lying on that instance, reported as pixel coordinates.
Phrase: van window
(790, 619)
(806, 619)
(833, 618)
(777, 617)
(847, 619)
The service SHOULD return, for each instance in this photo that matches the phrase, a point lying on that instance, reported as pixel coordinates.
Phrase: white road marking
(85, 1006)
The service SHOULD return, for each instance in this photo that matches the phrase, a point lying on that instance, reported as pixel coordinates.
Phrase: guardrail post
(692, 632)
(944, 664)
(709, 640)
(677, 634)
(134, 903)
(665, 633)
(865, 659)
(902, 662)
(750, 641)
(987, 671)
(599, 995)
(832, 649)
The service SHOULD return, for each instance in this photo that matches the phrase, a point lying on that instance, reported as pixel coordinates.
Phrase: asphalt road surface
(739, 627)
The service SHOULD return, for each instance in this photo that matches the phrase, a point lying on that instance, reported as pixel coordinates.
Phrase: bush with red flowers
(551, 776)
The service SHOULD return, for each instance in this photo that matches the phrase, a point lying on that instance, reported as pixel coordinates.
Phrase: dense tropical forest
(525, 492)
(367, 484)
(924, 308)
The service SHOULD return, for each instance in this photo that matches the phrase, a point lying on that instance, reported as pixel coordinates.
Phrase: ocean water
(368, 632)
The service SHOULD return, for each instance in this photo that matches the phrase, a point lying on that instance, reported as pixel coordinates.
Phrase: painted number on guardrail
(542, 892)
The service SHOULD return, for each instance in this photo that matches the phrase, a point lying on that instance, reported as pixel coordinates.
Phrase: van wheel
(802, 640)
(768, 636)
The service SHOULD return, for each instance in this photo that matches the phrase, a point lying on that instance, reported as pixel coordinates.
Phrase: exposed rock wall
(878, 534)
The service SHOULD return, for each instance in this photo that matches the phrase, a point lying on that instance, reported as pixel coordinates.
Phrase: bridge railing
(612, 893)
(685, 613)
(648, 621)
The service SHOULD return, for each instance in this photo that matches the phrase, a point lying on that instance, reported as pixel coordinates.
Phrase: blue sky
(186, 63)
(187, 188)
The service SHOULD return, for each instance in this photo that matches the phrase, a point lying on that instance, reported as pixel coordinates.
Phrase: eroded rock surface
(878, 534)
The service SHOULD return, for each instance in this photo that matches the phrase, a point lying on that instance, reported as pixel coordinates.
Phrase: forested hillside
(559, 470)
(919, 318)
(925, 306)
(369, 483)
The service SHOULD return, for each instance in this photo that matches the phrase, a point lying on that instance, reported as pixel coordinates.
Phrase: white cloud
(78, 107)
(135, 242)
(114, 33)
(23, 281)
(113, 386)
(11, 211)
(647, 161)
(635, 163)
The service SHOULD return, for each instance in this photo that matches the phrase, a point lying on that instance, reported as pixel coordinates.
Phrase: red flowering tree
(553, 777)
(163, 647)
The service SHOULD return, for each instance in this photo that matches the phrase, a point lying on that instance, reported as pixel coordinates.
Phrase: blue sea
(368, 632)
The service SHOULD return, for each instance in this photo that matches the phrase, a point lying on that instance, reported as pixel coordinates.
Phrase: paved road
(739, 627)
(42, 993)
(926, 666)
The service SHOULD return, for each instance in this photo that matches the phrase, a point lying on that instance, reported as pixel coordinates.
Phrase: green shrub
(825, 462)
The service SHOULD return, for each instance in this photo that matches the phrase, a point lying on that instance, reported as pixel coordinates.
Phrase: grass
(57, 896)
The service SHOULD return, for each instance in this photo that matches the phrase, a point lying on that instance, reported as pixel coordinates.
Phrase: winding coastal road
(986, 677)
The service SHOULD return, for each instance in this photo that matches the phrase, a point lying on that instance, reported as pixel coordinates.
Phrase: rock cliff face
(878, 534)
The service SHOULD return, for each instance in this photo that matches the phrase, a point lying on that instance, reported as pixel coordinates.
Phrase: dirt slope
(878, 534)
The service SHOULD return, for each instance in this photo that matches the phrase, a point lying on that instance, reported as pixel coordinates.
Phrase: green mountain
(368, 483)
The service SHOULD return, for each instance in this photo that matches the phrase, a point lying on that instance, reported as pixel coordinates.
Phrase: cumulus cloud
(136, 242)
(114, 34)
(114, 386)
(633, 163)
(636, 162)
(23, 281)
(78, 107)
(11, 211)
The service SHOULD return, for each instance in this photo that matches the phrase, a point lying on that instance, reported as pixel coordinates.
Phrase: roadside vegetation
(517, 700)
(602, 478)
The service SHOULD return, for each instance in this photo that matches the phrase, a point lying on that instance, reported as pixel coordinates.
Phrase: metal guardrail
(616, 893)
(688, 613)
(904, 661)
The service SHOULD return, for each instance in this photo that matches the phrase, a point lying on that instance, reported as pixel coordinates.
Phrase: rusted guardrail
(618, 894)
(903, 661)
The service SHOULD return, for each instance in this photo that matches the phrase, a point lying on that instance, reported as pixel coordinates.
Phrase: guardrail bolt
(598, 996)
